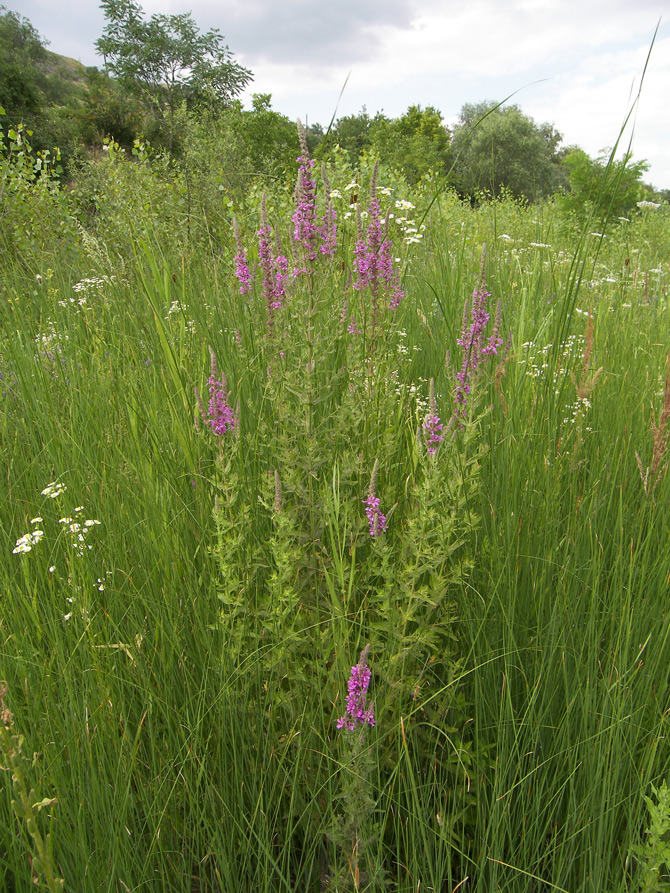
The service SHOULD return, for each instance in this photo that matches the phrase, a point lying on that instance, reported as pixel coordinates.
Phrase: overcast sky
(574, 63)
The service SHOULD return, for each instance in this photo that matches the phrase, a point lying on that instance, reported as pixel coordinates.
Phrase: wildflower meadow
(336, 536)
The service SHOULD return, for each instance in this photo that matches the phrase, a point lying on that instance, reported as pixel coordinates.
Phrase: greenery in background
(159, 70)
(501, 148)
(167, 61)
(602, 188)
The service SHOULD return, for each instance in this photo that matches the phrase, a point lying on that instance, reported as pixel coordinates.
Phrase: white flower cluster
(536, 358)
(411, 232)
(50, 337)
(78, 531)
(54, 490)
(415, 392)
(651, 205)
(91, 284)
(84, 287)
(28, 540)
(578, 411)
(175, 307)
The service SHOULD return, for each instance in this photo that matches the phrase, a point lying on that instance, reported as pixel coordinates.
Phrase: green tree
(416, 143)
(166, 61)
(496, 149)
(352, 133)
(602, 187)
(108, 111)
(22, 79)
(271, 138)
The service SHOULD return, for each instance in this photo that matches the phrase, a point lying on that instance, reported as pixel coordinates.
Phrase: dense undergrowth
(370, 418)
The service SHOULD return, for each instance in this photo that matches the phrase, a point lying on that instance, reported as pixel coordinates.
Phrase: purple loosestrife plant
(359, 712)
(241, 264)
(305, 230)
(432, 426)
(328, 219)
(220, 416)
(376, 519)
(372, 255)
(472, 340)
(273, 266)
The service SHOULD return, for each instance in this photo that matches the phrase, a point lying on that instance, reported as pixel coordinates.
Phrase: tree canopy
(166, 60)
(602, 187)
(415, 143)
(502, 148)
(22, 81)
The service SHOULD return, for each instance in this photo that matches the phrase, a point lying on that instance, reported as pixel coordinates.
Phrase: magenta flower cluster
(372, 259)
(241, 263)
(376, 519)
(372, 255)
(274, 270)
(359, 712)
(432, 433)
(305, 229)
(475, 347)
(220, 416)
(242, 272)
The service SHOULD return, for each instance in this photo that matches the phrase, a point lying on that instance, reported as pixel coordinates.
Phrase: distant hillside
(65, 68)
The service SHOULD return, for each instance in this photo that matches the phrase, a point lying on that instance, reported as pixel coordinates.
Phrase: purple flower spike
(241, 264)
(475, 350)
(220, 417)
(432, 426)
(376, 519)
(373, 263)
(359, 712)
(305, 229)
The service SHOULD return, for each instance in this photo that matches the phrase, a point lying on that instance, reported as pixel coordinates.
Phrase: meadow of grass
(175, 645)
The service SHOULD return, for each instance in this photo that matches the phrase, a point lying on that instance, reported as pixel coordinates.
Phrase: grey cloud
(327, 33)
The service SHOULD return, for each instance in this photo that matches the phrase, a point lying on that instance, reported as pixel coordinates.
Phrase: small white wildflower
(646, 204)
(54, 489)
(27, 541)
(538, 245)
(52, 568)
(35, 520)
